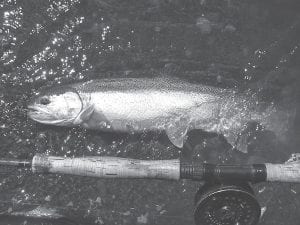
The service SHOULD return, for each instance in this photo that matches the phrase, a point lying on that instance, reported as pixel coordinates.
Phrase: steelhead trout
(152, 104)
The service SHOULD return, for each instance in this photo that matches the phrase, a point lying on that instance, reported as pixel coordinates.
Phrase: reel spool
(226, 204)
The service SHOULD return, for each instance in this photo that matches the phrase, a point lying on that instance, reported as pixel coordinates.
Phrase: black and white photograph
(149, 112)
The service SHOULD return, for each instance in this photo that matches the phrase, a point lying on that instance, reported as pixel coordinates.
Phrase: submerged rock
(204, 25)
(229, 28)
(143, 219)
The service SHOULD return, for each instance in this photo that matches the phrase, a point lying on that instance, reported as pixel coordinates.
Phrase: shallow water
(228, 43)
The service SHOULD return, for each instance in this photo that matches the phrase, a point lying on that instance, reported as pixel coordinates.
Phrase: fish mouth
(35, 110)
(32, 109)
(41, 115)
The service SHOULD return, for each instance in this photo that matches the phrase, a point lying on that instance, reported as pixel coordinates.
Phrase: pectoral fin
(84, 115)
(177, 134)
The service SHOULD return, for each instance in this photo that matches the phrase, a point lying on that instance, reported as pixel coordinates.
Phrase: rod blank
(15, 163)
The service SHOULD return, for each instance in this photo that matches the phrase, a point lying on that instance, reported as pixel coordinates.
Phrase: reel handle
(107, 167)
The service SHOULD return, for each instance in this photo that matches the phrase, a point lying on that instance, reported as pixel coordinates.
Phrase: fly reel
(226, 204)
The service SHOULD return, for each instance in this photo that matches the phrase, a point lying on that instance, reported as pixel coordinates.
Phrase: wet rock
(157, 28)
(9, 210)
(127, 213)
(99, 221)
(70, 204)
(48, 198)
(159, 207)
(204, 25)
(263, 210)
(162, 212)
(188, 53)
(219, 78)
(261, 190)
(143, 219)
(99, 201)
(229, 28)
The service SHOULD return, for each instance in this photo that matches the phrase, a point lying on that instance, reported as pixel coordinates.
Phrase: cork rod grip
(289, 172)
(108, 167)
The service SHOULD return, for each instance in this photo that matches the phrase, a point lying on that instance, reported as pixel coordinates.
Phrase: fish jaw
(34, 113)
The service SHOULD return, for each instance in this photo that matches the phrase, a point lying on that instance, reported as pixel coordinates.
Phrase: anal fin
(177, 133)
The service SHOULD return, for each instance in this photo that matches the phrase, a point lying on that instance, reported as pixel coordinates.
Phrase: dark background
(228, 43)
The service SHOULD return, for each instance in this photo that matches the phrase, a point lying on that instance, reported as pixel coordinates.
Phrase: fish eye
(44, 101)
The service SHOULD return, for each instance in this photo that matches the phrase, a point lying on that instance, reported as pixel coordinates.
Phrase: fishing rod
(226, 198)
(175, 169)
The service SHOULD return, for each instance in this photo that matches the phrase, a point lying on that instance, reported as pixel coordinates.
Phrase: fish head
(55, 106)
